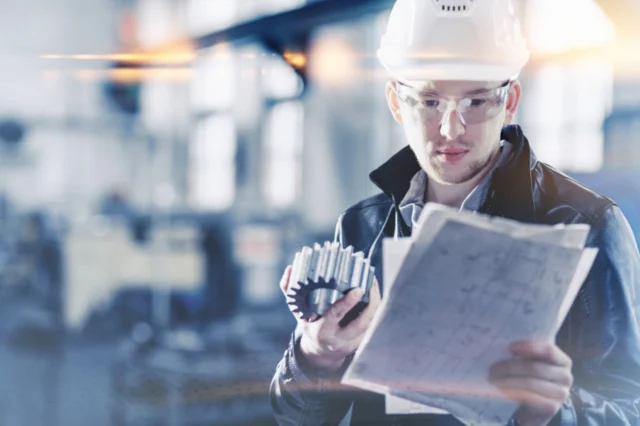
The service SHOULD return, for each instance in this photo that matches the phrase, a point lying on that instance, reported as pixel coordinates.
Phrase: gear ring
(298, 296)
(323, 275)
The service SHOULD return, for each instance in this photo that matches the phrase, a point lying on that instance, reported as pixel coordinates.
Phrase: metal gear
(322, 275)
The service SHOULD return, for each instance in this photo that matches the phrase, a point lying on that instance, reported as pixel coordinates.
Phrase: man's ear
(392, 101)
(513, 100)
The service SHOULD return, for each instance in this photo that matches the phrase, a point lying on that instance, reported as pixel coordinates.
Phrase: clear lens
(473, 109)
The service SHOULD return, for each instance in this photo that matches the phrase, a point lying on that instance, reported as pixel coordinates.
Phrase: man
(455, 92)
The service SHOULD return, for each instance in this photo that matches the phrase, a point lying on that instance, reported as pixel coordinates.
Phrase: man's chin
(451, 178)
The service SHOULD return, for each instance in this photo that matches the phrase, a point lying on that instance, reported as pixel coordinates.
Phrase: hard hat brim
(450, 69)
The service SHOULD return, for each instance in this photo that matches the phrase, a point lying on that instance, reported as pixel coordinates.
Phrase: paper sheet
(465, 289)
(394, 251)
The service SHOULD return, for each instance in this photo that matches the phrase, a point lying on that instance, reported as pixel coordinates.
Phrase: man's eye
(478, 102)
(431, 103)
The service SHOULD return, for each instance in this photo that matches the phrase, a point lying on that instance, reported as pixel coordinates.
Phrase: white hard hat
(478, 40)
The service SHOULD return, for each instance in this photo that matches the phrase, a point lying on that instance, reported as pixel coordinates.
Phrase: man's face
(453, 127)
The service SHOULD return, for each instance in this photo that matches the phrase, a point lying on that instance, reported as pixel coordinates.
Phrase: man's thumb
(339, 309)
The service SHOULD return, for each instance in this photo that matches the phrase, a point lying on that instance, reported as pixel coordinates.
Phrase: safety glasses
(472, 109)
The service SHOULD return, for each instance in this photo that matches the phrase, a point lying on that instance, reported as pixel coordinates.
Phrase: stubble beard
(438, 173)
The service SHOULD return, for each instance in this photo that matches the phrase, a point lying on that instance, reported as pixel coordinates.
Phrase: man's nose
(451, 125)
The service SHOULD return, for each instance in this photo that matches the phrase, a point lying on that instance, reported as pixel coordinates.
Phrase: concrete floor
(69, 387)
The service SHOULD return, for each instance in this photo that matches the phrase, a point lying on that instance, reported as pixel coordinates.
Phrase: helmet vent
(453, 7)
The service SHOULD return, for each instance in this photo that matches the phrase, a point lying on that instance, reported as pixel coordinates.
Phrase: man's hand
(325, 343)
(539, 376)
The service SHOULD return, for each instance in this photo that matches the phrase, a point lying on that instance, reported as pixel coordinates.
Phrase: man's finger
(359, 326)
(521, 367)
(374, 294)
(284, 281)
(522, 388)
(331, 319)
(542, 351)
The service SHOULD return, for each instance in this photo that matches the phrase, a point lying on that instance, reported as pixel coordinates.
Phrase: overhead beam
(294, 24)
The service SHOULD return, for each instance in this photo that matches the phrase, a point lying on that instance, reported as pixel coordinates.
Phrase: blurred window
(213, 87)
(283, 154)
(212, 171)
(568, 92)
(564, 108)
(157, 22)
(212, 163)
(279, 80)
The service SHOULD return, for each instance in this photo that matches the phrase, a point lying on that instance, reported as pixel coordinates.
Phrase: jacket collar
(510, 192)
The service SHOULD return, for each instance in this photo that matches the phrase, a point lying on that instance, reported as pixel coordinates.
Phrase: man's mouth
(451, 155)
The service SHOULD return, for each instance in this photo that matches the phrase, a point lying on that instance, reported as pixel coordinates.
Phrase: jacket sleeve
(603, 334)
(302, 396)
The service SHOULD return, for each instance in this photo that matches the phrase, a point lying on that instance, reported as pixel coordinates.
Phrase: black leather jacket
(601, 332)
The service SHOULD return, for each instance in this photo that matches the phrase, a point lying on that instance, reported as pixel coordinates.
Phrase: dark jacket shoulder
(360, 224)
(558, 197)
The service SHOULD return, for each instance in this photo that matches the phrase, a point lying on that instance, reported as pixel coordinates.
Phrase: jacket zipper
(397, 216)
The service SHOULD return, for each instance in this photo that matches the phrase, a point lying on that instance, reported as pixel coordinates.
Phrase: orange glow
(333, 62)
(136, 75)
(129, 75)
(175, 54)
(297, 60)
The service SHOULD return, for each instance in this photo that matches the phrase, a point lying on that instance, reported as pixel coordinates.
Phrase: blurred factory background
(162, 160)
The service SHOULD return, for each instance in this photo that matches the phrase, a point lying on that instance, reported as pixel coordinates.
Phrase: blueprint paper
(465, 287)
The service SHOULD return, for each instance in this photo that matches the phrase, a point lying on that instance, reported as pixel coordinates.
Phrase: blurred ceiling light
(182, 52)
(562, 26)
(332, 61)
